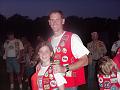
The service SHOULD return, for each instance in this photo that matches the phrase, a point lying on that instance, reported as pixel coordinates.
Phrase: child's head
(105, 65)
(44, 51)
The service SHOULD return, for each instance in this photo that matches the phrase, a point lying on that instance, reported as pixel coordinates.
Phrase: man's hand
(59, 69)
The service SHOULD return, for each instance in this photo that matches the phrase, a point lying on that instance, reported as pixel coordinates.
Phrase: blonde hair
(106, 65)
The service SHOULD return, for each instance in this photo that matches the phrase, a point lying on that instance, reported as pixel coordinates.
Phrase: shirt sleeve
(118, 77)
(78, 49)
(114, 48)
(59, 79)
(21, 45)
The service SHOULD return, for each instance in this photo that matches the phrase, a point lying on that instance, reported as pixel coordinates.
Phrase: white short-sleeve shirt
(9, 47)
(77, 47)
(115, 46)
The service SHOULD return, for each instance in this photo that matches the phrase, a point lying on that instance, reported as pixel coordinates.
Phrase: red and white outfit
(109, 82)
(112, 81)
(45, 79)
(68, 48)
(116, 59)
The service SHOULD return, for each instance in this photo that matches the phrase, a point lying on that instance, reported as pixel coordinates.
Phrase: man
(115, 45)
(69, 51)
(97, 50)
(13, 48)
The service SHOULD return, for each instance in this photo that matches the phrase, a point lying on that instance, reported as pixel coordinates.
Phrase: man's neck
(95, 40)
(45, 64)
(56, 34)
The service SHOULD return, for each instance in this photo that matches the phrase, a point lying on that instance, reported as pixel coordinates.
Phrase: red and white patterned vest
(108, 82)
(116, 59)
(45, 82)
(64, 56)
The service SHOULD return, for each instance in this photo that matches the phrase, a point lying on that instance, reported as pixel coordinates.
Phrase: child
(116, 59)
(45, 78)
(108, 76)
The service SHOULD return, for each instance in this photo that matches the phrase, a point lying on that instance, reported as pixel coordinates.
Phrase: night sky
(82, 8)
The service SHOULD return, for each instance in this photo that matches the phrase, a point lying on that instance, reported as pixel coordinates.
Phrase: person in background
(115, 45)
(97, 50)
(116, 59)
(70, 53)
(45, 78)
(38, 39)
(27, 68)
(109, 75)
(13, 48)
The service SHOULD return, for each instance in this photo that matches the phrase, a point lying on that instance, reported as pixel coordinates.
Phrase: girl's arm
(61, 87)
(60, 81)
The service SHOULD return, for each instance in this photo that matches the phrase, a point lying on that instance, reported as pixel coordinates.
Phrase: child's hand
(59, 69)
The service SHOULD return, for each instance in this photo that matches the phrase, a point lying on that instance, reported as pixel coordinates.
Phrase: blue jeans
(91, 75)
(73, 88)
(13, 65)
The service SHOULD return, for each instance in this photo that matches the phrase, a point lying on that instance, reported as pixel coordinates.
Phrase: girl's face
(45, 54)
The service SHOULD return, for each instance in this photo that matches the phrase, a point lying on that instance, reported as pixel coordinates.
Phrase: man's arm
(83, 61)
(4, 51)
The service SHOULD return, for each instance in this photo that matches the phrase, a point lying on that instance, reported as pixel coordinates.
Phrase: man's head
(10, 35)
(94, 36)
(56, 20)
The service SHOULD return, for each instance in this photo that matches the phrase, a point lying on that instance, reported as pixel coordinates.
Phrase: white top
(115, 46)
(10, 49)
(58, 76)
(77, 47)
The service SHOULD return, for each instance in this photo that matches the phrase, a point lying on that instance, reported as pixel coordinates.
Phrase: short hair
(94, 33)
(105, 65)
(57, 11)
(44, 43)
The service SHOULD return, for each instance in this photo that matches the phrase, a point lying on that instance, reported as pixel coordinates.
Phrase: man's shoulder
(90, 43)
(100, 41)
(117, 42)
(6, 41)
(18, 40)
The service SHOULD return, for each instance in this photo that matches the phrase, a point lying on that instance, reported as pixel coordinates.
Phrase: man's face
(94, 36)
(11, 37)
(56, 22)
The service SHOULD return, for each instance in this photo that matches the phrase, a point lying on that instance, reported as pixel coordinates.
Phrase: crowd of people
(58, 64)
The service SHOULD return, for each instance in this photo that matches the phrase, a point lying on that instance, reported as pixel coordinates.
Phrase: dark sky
(82, 8)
